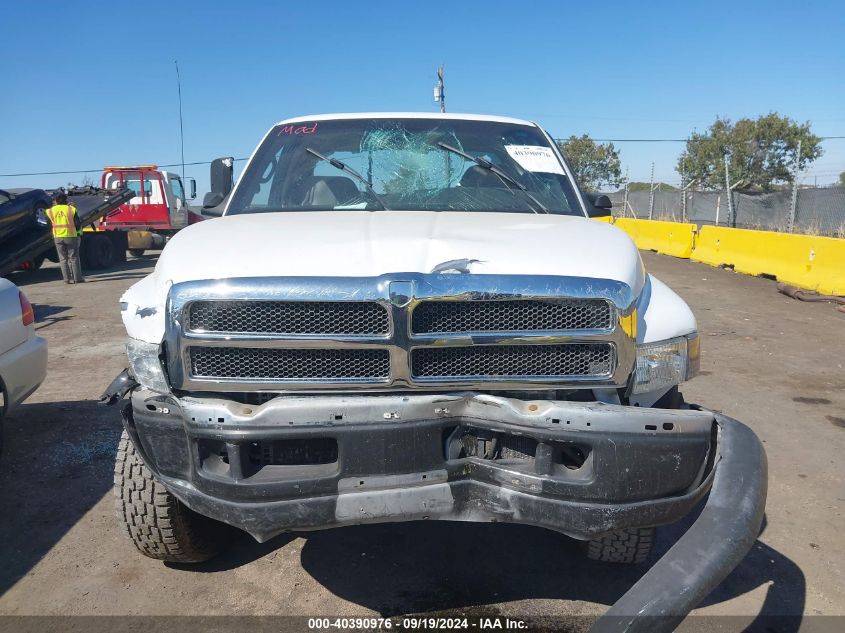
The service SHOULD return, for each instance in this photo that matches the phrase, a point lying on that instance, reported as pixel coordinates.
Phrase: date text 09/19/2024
(418, 623)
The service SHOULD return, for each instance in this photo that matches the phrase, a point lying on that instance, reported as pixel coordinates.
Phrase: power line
(88, 171)
(666, 140)
(208, 162)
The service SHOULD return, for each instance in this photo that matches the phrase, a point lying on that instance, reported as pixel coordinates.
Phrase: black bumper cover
(734, 472)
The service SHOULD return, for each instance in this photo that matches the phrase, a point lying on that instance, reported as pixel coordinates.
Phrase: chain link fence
(812, 210)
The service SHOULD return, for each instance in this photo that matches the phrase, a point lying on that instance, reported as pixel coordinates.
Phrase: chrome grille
(446, 317)
(242, 363)
(350, 318)
(404, 331)
(513, 361)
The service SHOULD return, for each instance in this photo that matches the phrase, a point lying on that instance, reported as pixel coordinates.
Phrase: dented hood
(368, 244)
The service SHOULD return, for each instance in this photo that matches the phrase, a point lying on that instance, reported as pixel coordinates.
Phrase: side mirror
(211, 200)
(222, 172)
(193, 186)
(600, 205)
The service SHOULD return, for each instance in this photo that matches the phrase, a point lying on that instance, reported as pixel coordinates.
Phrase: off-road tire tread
(631, 545)
(159, 524)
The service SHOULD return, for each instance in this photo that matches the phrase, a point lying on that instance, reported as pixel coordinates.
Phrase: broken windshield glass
(401, 164)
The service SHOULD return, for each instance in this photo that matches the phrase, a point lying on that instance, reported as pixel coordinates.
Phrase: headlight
(666, 363)
(146, 366)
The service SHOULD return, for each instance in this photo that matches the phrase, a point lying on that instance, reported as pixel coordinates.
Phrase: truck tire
(631, 545)
(98, 251)
(159, 525)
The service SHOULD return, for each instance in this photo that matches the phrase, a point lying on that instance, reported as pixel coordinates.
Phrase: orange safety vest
(61, 217)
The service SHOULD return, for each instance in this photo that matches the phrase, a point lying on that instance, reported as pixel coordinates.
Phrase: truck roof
(405, 115)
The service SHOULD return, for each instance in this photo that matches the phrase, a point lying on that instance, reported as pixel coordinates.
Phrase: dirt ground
(770, 361)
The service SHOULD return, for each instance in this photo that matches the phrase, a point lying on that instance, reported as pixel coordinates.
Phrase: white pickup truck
(412, 317)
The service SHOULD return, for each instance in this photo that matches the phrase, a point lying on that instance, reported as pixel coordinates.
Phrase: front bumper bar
(710, 549)
(395, 460)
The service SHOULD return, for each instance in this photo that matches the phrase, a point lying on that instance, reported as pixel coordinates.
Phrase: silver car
(23, 354)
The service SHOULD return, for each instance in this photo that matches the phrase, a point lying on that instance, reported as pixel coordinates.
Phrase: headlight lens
(666, 363)
(146, 366)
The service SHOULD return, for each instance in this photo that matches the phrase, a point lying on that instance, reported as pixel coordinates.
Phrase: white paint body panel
(368, 244)
(662, 314)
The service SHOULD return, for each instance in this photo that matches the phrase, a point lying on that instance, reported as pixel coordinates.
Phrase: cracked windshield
(405, 164)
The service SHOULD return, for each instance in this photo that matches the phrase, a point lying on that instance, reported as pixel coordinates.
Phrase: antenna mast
(181, 132)
(439, 91)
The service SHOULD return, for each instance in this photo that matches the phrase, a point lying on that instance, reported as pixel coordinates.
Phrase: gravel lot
(770, 361)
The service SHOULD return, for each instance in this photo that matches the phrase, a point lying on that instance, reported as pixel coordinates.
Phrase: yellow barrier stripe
(667, 238)
(806, 261)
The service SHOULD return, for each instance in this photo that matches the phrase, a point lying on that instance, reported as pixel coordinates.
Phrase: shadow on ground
(57, 463)
(450, 567)
(132, 268)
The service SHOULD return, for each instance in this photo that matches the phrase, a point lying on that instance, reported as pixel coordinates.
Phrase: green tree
(763, 152)
(646, 186)
(595, 164)
(842, 178)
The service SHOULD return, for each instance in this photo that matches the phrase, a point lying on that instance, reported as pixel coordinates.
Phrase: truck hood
(368, 244)
(365, 244)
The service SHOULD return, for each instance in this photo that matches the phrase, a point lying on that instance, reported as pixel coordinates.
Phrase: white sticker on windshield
(535, 158)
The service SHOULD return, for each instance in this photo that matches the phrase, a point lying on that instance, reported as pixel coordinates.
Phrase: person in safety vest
(66, 234)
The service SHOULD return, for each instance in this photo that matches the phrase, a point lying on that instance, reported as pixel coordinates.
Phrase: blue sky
(89, 84)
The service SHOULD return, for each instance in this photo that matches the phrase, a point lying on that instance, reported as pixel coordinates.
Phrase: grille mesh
(290, 364)
(289, 317)
(444, 317)
(489, 361)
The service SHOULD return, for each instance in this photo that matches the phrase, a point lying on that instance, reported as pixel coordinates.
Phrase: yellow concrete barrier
(806, 261)
(668, 238)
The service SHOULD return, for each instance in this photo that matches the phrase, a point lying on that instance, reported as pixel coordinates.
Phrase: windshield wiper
(506, 180)
(344, 167)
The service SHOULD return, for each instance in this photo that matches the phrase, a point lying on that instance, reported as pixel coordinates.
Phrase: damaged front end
(291, 404)
(311, 462)
(583, 469)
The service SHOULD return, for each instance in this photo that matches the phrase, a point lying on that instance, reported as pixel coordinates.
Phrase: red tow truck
(158, 210)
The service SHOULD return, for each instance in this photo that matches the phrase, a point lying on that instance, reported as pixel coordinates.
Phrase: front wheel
(159, 525)
(632, 545)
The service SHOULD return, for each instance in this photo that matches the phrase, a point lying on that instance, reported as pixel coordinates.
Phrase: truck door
(178, 205)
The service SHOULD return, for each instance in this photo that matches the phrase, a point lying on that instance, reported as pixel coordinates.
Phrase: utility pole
(794, 204)
(731, 219)
(439, 91)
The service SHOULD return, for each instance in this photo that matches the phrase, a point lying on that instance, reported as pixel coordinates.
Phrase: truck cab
(160, 203)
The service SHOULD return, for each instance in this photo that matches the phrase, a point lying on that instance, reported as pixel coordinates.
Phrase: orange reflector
(629, 324)
(27, 313)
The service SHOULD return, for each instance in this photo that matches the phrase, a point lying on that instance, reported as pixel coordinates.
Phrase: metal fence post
(625, 199)
(794, 205)
(731, 218)
(651, 196)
